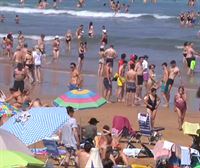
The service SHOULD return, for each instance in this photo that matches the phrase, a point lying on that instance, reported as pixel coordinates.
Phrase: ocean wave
(83, 13)
(33, 37)
(179, 47)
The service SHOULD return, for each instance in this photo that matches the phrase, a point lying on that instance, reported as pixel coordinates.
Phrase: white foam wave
(179, 47)
(84, 13)
(33, 37)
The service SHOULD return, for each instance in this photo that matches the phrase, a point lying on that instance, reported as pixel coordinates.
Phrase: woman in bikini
(68, 39)
(104, 39)
(81, 52)
(56, 48)
(101, 60)
(91, 30)
(180, 106)
(152, 77)
(29, 65)
(152, 101)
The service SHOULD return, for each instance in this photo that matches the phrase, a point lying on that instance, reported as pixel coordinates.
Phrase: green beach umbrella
(12, 159)
(80, 99)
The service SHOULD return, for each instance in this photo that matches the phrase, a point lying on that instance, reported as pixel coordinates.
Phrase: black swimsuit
(152, 103)
(81, 54)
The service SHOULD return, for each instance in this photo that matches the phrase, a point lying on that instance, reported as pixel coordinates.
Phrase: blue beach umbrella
(36, 124)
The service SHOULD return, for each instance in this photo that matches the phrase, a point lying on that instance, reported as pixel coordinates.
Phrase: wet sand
(55, 83)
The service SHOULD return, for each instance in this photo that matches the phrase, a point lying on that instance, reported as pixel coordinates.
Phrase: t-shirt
(145, 65)
(90, 131)
(68, 138)
(37, 56)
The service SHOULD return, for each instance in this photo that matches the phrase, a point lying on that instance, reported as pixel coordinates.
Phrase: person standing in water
(17, 19)
(79, 34)
(75, 77)
(41, 44)
(180, 106)
(107, 81)
(139, 70)
(110, 55)
(81, 55)
(91, 30)
(68, 40)
(56, 48)
(101, 61)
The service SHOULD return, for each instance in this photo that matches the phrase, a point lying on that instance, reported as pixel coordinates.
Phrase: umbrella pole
(80, 130)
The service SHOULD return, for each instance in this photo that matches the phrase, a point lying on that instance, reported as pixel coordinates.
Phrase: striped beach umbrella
(17, 159)
(80, 99)
(6, 108)
(36, 124)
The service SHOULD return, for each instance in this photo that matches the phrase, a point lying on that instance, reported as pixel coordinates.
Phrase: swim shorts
(107, 84)
(130, 87)
(140, 80)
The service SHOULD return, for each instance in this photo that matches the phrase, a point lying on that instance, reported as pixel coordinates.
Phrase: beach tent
(94, 160)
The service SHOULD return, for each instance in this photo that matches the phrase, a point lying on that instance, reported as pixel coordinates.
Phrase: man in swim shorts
(173, 72)
(110, 55)
(164, 90)
(130, 86)
(139, 70)
(75, 77)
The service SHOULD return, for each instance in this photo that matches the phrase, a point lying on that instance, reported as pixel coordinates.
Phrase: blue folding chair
(146, 129)
(53, 152)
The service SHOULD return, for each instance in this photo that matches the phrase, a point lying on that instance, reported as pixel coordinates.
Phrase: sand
(165, 117)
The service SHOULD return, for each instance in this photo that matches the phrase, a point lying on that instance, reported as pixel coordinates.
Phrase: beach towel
(131, 152)
(159, 151)
(94, 160)
(168, 145)
(185, 156)
(191, 128)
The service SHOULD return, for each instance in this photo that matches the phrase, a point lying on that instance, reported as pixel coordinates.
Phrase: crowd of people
(106, 142)
(133, 77)
(188, 18)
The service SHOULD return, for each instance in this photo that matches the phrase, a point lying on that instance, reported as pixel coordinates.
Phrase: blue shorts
(73, 87)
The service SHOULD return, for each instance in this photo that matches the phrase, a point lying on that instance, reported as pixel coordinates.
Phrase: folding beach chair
(53, 152)
(122, 127)
(146, 129)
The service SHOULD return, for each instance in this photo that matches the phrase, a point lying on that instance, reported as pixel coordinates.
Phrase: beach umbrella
(6, 108)
(36, 124)
(17, 159)
(10, 142)
(80, 99)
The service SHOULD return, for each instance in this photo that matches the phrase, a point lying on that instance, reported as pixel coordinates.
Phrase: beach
(151, 29)
(55, 85)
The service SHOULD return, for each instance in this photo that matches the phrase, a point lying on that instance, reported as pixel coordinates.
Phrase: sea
(148, 29)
